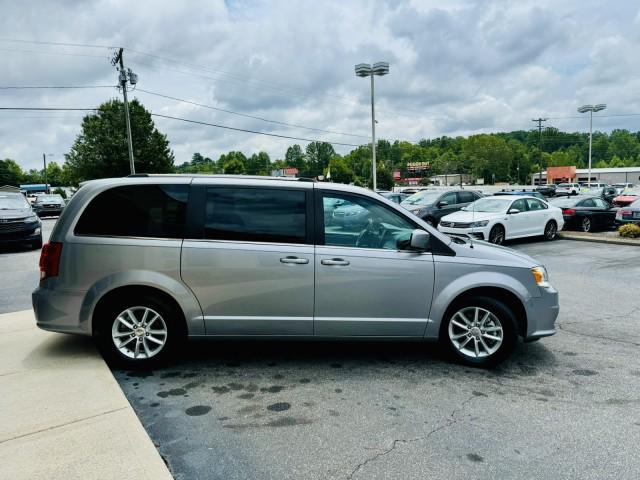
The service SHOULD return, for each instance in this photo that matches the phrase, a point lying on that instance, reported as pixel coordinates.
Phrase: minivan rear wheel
(479, 331)
(142, 332)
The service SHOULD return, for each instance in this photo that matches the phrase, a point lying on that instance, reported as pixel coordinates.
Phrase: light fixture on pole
(367, 70)
(591, 109)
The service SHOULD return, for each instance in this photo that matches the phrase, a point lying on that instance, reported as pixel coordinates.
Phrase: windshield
(425, 197)
(49, 198)
(13, 202)
(489, 205)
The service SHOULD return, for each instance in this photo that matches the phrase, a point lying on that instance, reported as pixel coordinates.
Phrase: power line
(24, 87)
(252, 131)
(252, 116)
(53, 53)
(46, 109)
(57, 44)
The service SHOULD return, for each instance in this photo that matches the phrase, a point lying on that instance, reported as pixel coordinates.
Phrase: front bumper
(59, 311)
(31, 234)
(542, 313)
(48, 211)
(478, 233)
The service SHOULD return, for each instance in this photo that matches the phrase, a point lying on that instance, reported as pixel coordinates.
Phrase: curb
(610, 241)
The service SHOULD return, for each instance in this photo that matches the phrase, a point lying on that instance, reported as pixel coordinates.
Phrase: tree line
(100, 151)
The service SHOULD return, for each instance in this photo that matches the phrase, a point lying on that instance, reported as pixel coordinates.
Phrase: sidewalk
(62, 414)
(599, 237)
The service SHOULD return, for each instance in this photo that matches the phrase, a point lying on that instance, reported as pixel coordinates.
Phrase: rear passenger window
(466, 197)
(256, 214)
(136, 211)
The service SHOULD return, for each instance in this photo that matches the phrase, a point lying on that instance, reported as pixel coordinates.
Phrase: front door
(251, 265)
(367, 283)
(518, 222)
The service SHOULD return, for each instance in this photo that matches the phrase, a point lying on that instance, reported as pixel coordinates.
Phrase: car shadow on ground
(317, 357)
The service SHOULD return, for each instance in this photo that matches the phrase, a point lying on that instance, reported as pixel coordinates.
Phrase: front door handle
(294, 260)
(335, 261)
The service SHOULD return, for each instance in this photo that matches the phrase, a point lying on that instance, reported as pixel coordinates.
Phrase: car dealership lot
(566, 406)
(19, 272)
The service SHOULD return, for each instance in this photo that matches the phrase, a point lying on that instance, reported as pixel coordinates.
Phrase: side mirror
(442, 204)
(513, 211)
(419, 240)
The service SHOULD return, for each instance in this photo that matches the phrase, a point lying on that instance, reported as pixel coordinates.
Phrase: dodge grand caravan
(145, 262)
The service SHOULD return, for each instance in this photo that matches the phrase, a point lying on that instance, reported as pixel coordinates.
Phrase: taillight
(626, 213)
(50, 260)
(569, 212)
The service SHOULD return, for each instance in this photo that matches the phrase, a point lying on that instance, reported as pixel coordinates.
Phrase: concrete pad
(62, 414)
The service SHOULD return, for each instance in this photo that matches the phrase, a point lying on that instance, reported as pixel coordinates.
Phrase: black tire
(500, 311)
(551, 230)
(174, 325)
(586, 225)
(496, 235)
(37, 244)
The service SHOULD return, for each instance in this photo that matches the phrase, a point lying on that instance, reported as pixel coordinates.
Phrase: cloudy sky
(457, 67)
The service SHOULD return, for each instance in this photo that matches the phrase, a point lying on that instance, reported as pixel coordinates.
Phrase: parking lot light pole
(367, 70)
(44, 172)
(591, 109)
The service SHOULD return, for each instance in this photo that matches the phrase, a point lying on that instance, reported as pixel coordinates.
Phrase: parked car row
(18, 222)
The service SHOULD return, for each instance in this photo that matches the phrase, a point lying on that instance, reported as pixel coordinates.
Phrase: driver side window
(353, 221)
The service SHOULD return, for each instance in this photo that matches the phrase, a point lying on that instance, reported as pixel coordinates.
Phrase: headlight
(541, 276)
(31, 219)
(481, 223)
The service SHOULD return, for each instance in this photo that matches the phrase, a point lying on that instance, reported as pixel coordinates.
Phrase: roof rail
(219, 175)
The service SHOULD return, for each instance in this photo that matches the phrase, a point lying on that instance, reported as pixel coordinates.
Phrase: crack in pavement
(616, 340)
(450, 421)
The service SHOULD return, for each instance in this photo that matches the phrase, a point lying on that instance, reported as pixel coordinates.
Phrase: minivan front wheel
(479, 332)
(139, 333)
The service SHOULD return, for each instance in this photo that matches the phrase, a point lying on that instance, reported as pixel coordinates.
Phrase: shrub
(630, 230)
(60, 191)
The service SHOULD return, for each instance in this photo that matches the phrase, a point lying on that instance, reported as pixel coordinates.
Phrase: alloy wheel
(139, 333)
(475, 332)
(586, 224)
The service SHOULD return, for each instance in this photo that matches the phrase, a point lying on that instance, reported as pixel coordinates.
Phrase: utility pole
(126, 75)
(44, 161)
(539, 120)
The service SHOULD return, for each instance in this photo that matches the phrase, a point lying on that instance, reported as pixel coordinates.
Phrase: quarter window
(256, 215)
(352, 221)
(136, 211)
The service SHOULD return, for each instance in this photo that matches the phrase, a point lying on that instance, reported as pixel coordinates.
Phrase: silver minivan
(142, 263)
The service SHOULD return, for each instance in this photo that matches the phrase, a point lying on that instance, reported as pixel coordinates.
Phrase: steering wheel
(372, 235)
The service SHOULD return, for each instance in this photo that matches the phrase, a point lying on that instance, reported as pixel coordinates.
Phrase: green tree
(341, 171)
(259, 164)
(318, 155)
(234, 166)
(100, 150)
(54, 174)
(10, 173)
(295, 157)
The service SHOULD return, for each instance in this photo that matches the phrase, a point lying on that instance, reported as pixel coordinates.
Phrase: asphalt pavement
(19, 272)
(564, 407)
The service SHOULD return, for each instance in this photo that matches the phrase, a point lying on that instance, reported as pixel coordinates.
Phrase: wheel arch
(503, 295)
(133, 291)
(132, 282)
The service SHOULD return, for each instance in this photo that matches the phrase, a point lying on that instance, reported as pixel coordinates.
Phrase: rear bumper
(59, 311)
(542, 313)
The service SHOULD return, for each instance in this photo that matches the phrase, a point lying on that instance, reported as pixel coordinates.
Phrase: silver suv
(141, 263)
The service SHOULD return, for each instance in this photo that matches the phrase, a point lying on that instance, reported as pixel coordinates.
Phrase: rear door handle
(335, 261)
(294, 260)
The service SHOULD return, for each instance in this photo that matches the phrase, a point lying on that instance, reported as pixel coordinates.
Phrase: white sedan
(497, 219)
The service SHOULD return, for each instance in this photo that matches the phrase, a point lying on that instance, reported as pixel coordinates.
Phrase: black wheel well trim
(117, 292)
(507, 297)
